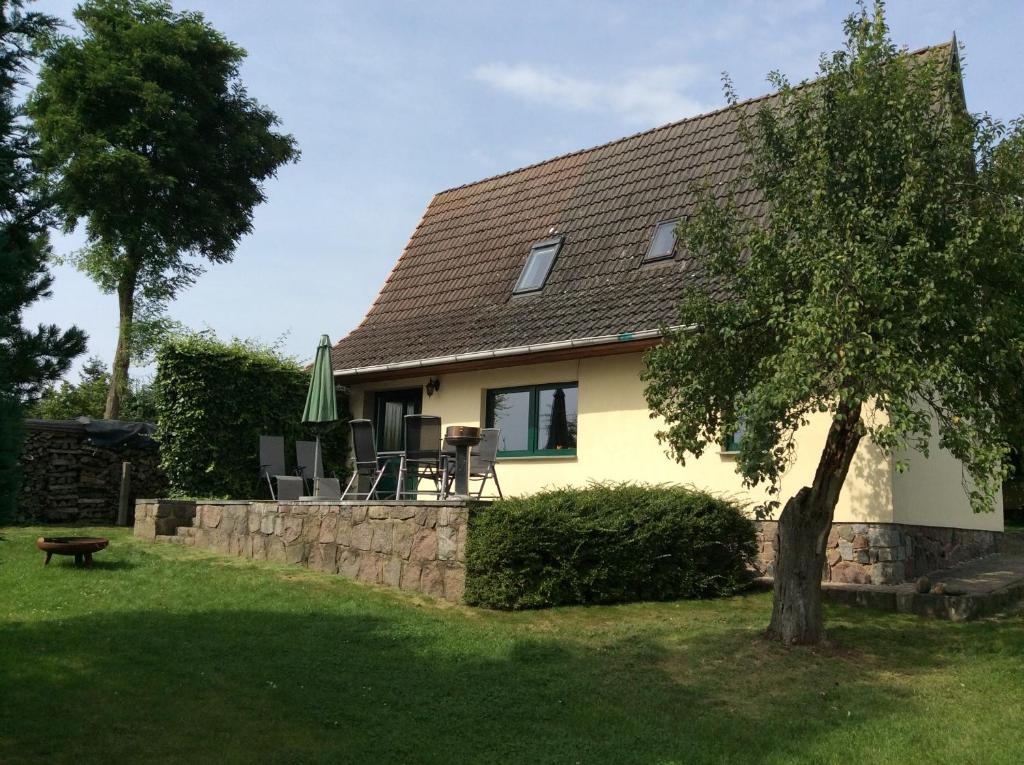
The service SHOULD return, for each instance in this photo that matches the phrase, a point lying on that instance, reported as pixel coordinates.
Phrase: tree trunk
(804, 527)
(122, 356)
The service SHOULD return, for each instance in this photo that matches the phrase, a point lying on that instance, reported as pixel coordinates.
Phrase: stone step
(174, 539)
(971, 590)
(186, 531)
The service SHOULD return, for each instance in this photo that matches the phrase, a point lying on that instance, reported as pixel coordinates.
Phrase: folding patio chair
(368, 463)
(327, 488)
(309, 464)
(271, 461)
(289, 487)
(422, 455)
(483, 461)
(448, 457)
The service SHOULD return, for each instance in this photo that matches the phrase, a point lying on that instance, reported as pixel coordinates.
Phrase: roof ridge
(665, 126)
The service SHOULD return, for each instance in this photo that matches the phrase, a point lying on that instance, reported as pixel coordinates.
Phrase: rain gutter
(519, 350)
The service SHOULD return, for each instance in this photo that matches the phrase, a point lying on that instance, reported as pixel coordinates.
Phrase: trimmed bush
(213, 402)
(609, 543)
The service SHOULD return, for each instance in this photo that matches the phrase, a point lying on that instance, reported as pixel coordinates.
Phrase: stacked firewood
(65, 479)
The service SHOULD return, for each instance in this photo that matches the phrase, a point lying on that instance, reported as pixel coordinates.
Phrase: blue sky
(393, 101)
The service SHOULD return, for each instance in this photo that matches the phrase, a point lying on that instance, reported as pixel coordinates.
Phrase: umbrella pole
(316, 466)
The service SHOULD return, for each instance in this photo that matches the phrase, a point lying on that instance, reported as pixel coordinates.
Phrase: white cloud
(653, 95)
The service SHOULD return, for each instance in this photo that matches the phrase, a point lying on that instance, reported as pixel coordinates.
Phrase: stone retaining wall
(66, 479)
(884, 553)
(413, 546)
(422, 546)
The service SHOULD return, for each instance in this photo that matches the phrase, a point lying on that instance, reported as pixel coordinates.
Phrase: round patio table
(462, 437)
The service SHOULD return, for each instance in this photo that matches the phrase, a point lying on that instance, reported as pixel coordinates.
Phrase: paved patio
(973, 590)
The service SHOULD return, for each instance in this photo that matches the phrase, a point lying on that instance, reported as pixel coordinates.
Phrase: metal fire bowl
(71, 545)
(462, 435)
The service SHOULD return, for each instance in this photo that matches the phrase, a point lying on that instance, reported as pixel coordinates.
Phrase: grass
(165, 654)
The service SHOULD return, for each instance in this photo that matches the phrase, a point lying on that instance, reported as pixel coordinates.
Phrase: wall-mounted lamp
(433, 384)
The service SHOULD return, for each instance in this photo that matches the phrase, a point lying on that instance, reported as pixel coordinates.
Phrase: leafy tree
(29, 358)
(86, 399)
(140, 401)
(881, 285)
(89, 397)
(152, 139)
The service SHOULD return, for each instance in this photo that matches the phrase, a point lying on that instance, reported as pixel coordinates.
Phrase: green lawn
(164, 654)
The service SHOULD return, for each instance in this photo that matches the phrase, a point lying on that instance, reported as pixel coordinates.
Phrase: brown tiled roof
(451, 291)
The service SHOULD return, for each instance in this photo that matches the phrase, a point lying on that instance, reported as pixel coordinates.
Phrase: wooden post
(126, 493)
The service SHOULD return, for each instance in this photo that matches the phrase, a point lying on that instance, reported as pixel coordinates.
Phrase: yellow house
(525, 301)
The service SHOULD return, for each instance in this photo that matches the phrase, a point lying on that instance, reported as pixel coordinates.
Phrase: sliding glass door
(388, 422)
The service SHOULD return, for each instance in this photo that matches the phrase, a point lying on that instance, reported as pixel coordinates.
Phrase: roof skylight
(538, 266)
(663, 243)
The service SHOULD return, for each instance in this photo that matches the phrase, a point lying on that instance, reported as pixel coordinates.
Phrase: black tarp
(115, 433)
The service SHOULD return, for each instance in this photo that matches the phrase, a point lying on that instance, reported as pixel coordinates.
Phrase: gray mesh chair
(422, 456)
(482, 460)
(271, 461)
(368, 463)
(448, 457)
(308, 463)
(288, 487)
(327, 488)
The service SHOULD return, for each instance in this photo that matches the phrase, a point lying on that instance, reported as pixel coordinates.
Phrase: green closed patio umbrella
(321, 410)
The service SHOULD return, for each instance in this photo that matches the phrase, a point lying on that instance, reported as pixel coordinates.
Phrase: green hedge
(609, 543)
(214, 400)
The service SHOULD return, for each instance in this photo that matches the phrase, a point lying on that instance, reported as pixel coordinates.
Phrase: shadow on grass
(249, 685)
(197, 658)
(98, 564)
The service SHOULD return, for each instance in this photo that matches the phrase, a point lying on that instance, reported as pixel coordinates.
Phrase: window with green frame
(535, 420)
(732, 441)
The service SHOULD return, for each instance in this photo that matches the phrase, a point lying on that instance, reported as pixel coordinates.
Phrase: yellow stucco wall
(616, 439)
(931, 492)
